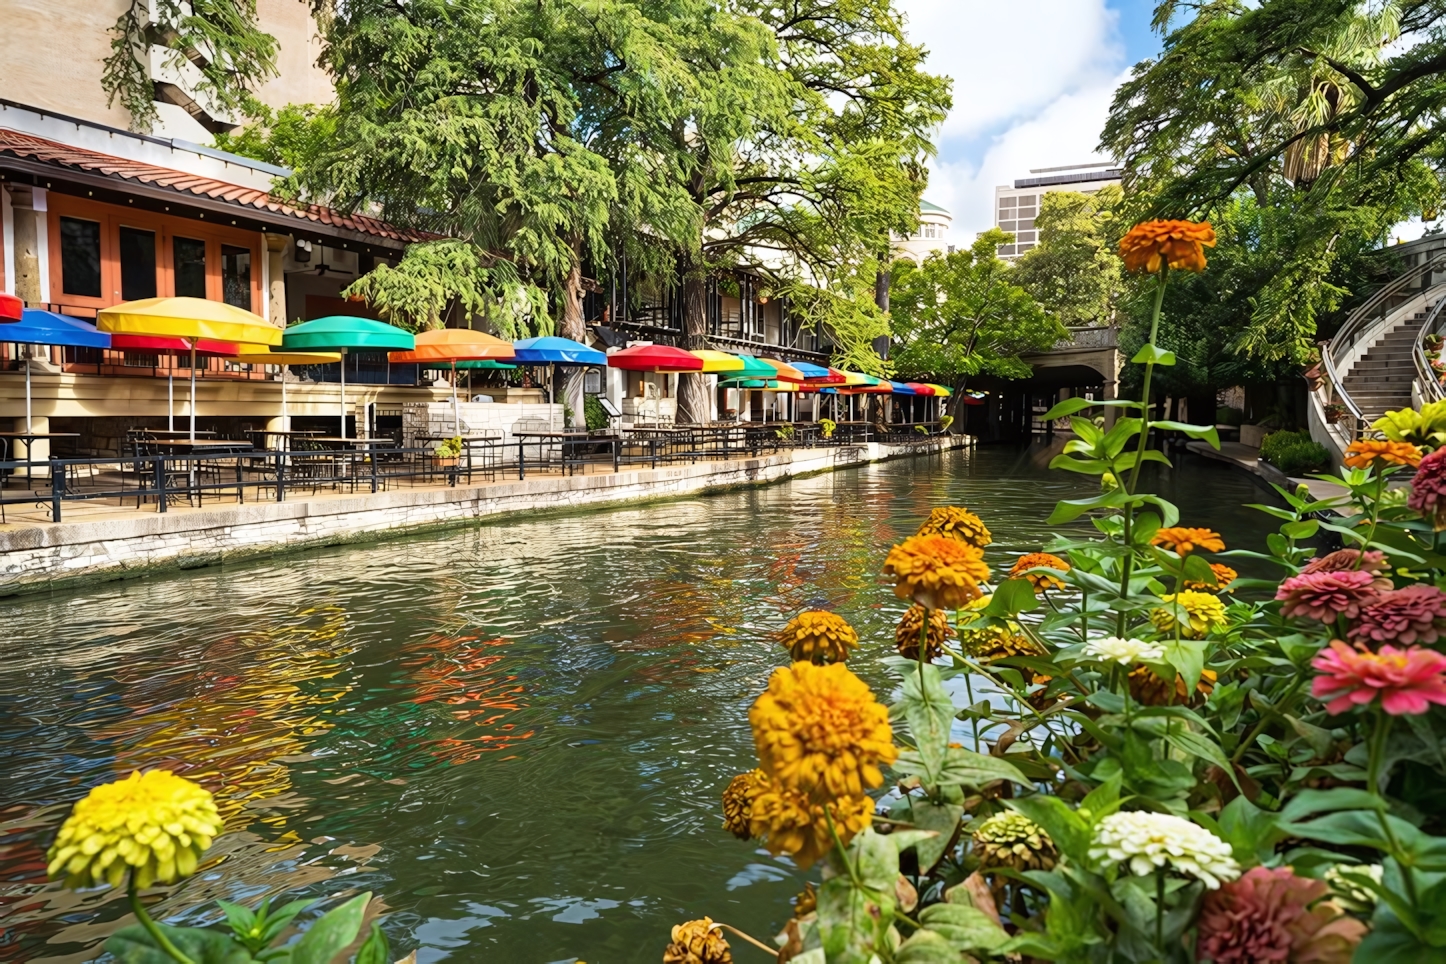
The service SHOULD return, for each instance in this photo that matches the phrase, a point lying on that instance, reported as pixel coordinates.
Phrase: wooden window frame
(112, 217)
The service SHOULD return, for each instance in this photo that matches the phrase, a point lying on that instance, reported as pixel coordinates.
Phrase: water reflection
(515, 735)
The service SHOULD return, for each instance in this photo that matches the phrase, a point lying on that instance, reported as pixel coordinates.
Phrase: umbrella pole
(456, 412)
(28, 427)
(343, 393)
(171, 395)
(285, 416)
(193, 391)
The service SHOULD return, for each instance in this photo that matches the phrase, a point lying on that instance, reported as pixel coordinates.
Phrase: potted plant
(1334, 412)
(448, 451)
(944, 422)
(827, 426)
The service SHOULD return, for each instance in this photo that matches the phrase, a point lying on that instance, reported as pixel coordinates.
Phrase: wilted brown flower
(738, 799)
(1151, 690)
(806, 902)
(697, 942)
(906, 636)
(988, 643)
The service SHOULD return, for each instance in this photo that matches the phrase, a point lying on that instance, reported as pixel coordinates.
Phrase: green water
(515, 736)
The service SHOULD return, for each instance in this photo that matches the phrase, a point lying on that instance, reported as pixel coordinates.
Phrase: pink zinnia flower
(1344, 559)
(1408, 681)
(1428, 489)
(1267, 915)
(1325, 595)
(1415, 614)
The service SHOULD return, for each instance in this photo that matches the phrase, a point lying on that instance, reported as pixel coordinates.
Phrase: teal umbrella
(343, 333)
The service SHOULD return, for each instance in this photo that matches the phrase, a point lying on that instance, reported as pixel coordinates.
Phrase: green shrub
(1225, 415)
(1294, 453)
(592, 412)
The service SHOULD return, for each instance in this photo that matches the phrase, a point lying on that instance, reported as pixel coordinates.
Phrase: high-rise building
(1017, 205)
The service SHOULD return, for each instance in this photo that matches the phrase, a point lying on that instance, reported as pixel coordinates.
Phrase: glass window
(135, 359)
(1026, 236)
(236, 276)
(1006, 249)
(80, 257)
(189, 256)
(138, 264)
(1006, 225)
(1026, 223)
(1027, 200)
(1008, 202)
(1025, 247)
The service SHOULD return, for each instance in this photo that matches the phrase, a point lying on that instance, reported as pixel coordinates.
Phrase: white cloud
(1033, 81)
(1066, 131)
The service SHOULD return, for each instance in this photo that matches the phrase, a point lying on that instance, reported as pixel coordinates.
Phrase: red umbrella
(920, 389)
(174, 346)
(662, 359)
(655, 358)
(10, 307)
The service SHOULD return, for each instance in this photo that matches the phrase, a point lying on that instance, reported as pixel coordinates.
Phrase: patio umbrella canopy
(286, 359)
(551, 350)
(655, 358)
(344, 333)
(37, 327)
(191, 319)
(10, 307)
(784, 372)
(454, 344)
(819, 375)
(753, 368)
(173, 346)
(715, 362)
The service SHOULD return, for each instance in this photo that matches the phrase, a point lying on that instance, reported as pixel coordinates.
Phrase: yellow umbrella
(719, 361)
(285, 359)
(190, 319)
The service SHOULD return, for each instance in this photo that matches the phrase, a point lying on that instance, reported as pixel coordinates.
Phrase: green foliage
(1226, 415)
(294, 136)
(964, 313)
(593, 412)
(258, 936)
(1294, 453)
(217, 40)
(1074, 271)
(449, 448)
(827, 426)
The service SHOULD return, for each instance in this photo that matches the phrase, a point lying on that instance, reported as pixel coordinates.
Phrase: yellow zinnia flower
(738, 799)
(819, 730)
(1037, 560)
(937, 571)
(155, 823)
(819, 637)
(1203, 612)
(790, 824)
(956, 523)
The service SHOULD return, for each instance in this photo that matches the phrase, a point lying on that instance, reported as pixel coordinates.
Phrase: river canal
(514, 735)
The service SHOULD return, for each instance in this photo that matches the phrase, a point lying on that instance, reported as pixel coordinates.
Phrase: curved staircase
(1375, 363)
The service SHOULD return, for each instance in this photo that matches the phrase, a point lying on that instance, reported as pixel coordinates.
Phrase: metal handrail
(1431, 388)
(1356, 325)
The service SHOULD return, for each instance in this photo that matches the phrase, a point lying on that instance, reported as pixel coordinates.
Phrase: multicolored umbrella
(784, 372)
(343, 333)
(715, 362)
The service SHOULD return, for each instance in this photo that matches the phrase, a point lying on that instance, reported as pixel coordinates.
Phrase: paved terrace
(104, 539)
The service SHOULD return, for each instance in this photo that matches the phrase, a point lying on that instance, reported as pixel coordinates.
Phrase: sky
(1033, 81)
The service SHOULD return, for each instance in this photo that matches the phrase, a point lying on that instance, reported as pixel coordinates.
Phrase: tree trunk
(693, 406)
(573, 326)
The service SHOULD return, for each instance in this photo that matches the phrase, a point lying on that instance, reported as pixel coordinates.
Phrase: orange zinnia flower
(1184, 540)
(1180, 244)
(1363, 454)
(1037, 560)
(936, 571)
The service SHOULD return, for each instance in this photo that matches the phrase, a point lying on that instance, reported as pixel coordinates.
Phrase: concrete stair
(1380, 380)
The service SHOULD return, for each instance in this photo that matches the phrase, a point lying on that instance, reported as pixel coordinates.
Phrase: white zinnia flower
(1347, 881)
(1123, 651)
(1147, 841)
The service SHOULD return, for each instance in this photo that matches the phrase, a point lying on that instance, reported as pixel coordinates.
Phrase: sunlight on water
(515, 735)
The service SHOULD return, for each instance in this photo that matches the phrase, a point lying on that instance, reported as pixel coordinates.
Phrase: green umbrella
(479, 364)
(343, 333)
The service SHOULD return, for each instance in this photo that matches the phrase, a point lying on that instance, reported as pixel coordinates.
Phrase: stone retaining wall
(52, 556)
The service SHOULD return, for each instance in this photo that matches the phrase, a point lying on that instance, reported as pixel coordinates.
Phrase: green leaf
(925, 947)
(1251, 832)
(877, 859)
(1309, 802)
(1188, 741)
(332, 933)
(1118, 437)
(133, 945)
(852, 921)
(375, 949)
(1012, 597)
(1391, 942)
(1153, 353)
(1303, 529)
(966, 927)
(1082, 466)
(1206, 432)
(1068, 407)
(930, 713)
(1187, 656)
(970, 769)
(943, 819)
(1068, 510)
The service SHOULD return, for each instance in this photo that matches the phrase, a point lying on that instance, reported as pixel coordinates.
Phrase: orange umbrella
(786, 372)
(454, 345)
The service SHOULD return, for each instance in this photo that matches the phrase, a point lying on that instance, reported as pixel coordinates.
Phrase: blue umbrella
(37, 327)
(551, 350)
(901, 389)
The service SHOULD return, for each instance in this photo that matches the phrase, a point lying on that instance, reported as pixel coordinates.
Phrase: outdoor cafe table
(174, 433)
(9, 438)
(220, 448)
(568, 441)
(265, 434)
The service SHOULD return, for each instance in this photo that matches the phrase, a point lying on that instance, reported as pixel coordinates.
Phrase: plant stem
(1373, 775)
(773, 951)
(843, 854)
(1160, 912)
(157, 935)
(1128, 565)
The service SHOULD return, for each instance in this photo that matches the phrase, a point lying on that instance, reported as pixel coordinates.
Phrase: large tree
(1074, 272)
(1329, 110)
(964, 313)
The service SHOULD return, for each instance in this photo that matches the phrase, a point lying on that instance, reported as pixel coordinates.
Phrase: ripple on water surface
(514, 735)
